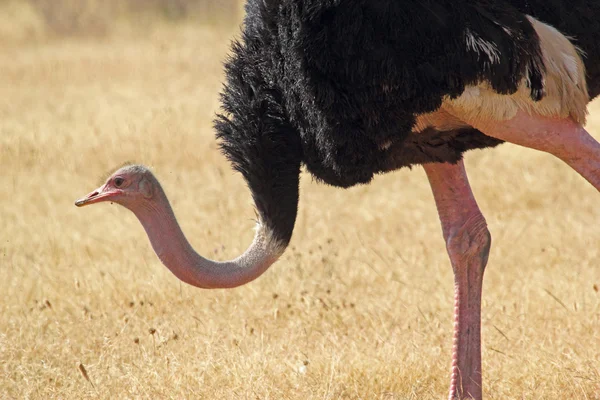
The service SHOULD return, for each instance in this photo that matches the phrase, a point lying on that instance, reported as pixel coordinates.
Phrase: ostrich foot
(468, 243)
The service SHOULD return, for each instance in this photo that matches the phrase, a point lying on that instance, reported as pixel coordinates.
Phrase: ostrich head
(137, 189)
(131, 186)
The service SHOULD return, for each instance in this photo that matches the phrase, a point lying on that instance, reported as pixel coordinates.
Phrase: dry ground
(358, 308)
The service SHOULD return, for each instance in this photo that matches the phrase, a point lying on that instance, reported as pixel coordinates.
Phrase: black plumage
(577, 19)
(336, 84)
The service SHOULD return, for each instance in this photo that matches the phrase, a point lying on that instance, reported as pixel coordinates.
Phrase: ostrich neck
(176, 253)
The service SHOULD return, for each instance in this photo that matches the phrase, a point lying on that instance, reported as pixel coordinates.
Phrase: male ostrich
(351, 88)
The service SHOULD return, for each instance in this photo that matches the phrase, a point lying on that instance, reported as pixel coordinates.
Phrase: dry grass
(27, 20)
(358, 308)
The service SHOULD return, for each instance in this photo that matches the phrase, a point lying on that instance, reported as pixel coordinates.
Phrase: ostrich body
(353, 88)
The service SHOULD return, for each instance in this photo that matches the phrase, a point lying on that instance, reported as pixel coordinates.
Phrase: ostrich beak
(98, 195)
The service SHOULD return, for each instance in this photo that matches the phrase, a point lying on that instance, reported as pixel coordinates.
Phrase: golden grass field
(359, 307)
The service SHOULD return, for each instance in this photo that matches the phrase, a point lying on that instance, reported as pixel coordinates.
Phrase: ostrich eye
(118, 182)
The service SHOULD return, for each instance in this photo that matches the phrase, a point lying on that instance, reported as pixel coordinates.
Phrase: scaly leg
(468, 243)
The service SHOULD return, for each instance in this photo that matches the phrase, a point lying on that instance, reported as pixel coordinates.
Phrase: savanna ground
(360, 305)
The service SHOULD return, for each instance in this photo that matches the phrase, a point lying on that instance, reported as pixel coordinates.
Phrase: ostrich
(354, 88)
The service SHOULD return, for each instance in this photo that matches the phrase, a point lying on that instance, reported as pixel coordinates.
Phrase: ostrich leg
(468, 243)
(563, 138)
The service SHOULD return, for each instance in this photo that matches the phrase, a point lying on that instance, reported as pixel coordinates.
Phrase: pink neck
(176, 253)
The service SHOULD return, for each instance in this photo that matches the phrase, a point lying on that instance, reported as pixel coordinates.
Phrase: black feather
(337, 84)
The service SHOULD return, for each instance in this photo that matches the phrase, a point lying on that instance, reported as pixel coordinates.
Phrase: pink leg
(468, 243)
(563, 138)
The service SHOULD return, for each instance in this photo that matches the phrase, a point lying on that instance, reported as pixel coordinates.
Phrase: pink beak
(98, 195)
